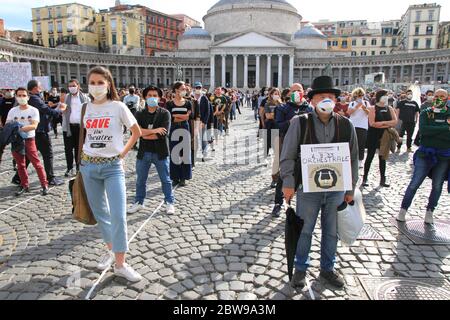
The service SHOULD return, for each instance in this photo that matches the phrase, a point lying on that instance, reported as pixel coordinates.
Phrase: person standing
(180, 136)
(359, 115)
(6, 103)
(43, 141)
(381, 118)
(297, 105)
(408, 113)
(203, 107)
(28, 117)
(102, 167)
(53, 102)
(324, 126)
(132, 100)
(429, 101)
(154, 122)
(219, 103)
(71, 125)
(433, 157)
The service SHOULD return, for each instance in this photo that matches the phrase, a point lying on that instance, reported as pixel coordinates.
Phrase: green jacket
(435, 129)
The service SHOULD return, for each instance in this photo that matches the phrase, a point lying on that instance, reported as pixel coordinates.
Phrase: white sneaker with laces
(170, 209)
(106, 261)
(429, 217)
(128, 273)
(135, 208)
(402, 215)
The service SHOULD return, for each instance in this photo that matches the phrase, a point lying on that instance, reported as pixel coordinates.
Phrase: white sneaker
(128, 273)
(402, 215)
(170, 209)
(429, 217)
(135, 208)
(106, 261)
(361, 164)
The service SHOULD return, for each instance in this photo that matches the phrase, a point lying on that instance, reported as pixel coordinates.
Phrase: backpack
(343, 133)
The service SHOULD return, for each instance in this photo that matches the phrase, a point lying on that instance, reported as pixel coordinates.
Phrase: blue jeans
(308, 207)
(106, 192)
(162, 167)
(421, 171)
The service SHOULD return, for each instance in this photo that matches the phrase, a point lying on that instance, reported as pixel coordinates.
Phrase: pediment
(251, 40)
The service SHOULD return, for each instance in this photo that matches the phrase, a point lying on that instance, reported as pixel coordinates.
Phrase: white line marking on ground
(25, 201)
(311, 293)
(88, 296)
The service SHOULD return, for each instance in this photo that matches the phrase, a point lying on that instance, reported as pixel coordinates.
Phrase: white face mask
(430, 98)
(73, 90)
(198, 92)
(326, 105)
(183, 93)
(410, 97)
(22, 101)
(276, 97)
(384, 100)
(54, 93)
(98, 92)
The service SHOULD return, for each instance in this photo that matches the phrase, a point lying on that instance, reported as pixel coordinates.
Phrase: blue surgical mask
(152, 102)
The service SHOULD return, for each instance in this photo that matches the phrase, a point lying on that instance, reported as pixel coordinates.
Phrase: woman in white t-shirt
(102, 158)
(358, 112)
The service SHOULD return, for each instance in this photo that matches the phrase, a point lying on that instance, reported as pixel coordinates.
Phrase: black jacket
(162, 120)
(45, 113)
(9, 134)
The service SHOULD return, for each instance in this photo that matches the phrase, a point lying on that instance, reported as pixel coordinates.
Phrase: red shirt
(341, 107)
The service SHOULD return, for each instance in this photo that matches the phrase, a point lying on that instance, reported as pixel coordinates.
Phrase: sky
(17, 13)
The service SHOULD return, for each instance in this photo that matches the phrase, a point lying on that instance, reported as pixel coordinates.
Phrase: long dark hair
(177, 85)
(105, 73)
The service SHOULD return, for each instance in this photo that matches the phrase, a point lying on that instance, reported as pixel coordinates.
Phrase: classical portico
(251, 61)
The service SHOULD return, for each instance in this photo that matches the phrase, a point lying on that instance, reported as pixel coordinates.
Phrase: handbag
(81, 211)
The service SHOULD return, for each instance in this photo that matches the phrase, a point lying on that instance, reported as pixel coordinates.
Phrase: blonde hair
(358, 92)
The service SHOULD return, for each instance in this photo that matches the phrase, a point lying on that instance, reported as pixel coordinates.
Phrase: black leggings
(362, 141)
(370, 155)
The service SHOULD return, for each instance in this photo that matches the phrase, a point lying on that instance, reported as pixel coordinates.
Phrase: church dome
(246, 2)
(194, 38)
(310, 38)
(308, 31)
(196, 32)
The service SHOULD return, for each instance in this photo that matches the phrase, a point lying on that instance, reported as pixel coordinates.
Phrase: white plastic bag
(350, 219)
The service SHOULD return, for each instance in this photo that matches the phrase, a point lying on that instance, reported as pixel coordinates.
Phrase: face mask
(384, 100)
(152, 102)
(266, 93)
(430, 98)
(73, 90)
(98, 92)
(22, 101)
(275, 97)
(326, 105)
(297, 97)
(9, 95)
(198, 92)
(54, 93)
(183, 93)
(409, 97)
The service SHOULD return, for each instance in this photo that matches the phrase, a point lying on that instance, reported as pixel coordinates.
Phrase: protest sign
(14, 74)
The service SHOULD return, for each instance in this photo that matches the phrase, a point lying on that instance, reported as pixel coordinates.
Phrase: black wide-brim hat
(323, 84)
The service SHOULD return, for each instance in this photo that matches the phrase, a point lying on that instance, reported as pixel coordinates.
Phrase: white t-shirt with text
(104, 128)
(25, 118)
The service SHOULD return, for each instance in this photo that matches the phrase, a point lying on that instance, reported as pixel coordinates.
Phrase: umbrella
(293, 230)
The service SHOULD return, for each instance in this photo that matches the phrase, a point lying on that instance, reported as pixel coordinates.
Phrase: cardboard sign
(14, 74)
(326, 167)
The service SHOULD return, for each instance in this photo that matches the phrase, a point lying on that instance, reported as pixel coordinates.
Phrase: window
(329, 43)
(344, 44)
(124, 25)
(430, 15)
(417, 30)
(374, 42)
(353, 42)
(416, 44)
(58, 12)
(335, 43)
(394, 42)
(124, 39)
(49, 12)
(382, 52)
(353, 53)
(364, 42)
(38, 28)
(363, 53)
(429, 30)
(418, 15)
(51, 42)
(50, 27)
(383, 42)
(428, 43)
(59, 26)
(113, 24)
(114, 39)
(86, 12)
(69, 25)
(38, 14)
(373, 53)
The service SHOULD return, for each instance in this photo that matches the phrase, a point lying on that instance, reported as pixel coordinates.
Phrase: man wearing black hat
(322, 126)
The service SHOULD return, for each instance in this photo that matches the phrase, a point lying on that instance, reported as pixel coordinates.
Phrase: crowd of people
(170, 127)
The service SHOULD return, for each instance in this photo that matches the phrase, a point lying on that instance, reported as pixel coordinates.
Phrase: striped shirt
(177, 110)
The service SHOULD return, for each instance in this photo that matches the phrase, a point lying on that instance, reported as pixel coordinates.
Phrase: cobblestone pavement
(221, 244)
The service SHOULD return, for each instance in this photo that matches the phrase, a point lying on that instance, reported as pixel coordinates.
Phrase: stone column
(58, 74)
(212, 73)
(127, 76)
(146, 76)
(391, 74)
(234, 85)
(340, 76)
(38, 68)
(269, 70)
(280, 71)
(136, 76)
(311, 74)
(361, 75)
(435, 74)
(246, 71)
(164, 77)
(291, 70)
(258, 71)
(424, 72)
(119, 80)
(446, 75)
(155, 76)
(224, 70)
(69, 76)
(49, 70)
(402, 73)
(203, 75)
(78, 72)
(413, 73)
